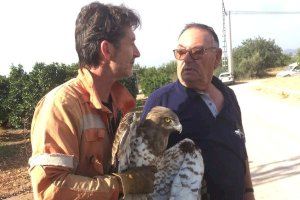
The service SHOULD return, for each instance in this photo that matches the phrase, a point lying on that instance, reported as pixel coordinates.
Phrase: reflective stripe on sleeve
(54, 160)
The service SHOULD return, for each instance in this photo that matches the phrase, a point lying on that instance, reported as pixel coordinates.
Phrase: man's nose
(188, 57)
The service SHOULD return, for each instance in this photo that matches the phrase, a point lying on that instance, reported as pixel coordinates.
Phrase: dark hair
(97, 22)
(202, 26)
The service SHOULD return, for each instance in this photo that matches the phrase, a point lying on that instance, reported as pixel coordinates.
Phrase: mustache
(189, 67)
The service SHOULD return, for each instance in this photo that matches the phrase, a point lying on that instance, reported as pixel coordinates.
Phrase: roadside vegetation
(287, 88)
(20, 91)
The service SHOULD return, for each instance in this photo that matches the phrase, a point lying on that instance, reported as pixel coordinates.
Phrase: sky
(43, 30)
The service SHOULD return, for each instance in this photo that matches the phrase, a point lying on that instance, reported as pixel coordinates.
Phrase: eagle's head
(160, 122)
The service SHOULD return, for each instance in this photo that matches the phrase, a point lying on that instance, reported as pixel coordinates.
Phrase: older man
(209, 113)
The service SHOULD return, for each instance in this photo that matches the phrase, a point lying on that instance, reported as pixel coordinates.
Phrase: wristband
(249, 190)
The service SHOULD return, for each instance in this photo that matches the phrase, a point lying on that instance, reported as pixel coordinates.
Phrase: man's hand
(139, 180)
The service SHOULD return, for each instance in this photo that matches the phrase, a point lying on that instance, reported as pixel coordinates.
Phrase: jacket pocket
(93, 135)
(92, 151)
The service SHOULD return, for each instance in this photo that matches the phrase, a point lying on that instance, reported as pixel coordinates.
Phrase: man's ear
(106, 49)
(218, 57)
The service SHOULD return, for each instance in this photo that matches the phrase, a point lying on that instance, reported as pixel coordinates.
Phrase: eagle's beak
(178, 128)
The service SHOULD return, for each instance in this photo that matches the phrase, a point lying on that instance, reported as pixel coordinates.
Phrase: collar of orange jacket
(121, 97)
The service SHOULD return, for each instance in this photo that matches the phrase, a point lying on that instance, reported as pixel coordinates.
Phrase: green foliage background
(20, 91)
(254, 56)
(23, 91)
(152, 78)
(4, 89)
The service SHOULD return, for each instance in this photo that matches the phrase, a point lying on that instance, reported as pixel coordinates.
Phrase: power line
(228, 58)
(266, 12)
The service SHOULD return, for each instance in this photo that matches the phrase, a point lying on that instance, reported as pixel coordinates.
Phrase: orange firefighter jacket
(72, 142)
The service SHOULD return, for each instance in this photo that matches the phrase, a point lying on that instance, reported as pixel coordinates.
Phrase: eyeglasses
(195, 53)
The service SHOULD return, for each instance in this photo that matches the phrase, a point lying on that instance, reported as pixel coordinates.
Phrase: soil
(15, 150)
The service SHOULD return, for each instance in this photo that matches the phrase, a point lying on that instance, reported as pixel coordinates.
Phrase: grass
(279, 87)
(283, 87)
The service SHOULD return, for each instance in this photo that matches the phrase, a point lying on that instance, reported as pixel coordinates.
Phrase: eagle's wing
(121, 146)
(180, 173)
(125, 147)
(187, 182)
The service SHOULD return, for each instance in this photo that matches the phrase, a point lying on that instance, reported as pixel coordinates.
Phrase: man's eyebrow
(181, 46)
(195, 47)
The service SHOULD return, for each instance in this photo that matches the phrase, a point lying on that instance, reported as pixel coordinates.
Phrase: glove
(138, 180)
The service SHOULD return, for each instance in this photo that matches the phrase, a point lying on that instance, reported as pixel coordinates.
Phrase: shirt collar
(215, 81)
(121, 97)
(191, 93)
(188, 91)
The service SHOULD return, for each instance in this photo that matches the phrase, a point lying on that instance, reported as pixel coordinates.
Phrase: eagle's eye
(167, 119)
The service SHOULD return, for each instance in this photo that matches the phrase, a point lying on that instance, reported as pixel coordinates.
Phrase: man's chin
(186, 82)
(128, 74)
(193, 84)
(188, 78)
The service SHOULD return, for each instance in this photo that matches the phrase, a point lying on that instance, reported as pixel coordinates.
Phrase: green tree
(266, 51)
(25, 90)
(250, 67)
(153, 79)
(46, 77)
(41, 80)
(170, 70)
(71, 71)
(139, 71)
(298, 56)
(4, 88)
(220, 69)
(131, 84)
(15, 107)
(286, 59)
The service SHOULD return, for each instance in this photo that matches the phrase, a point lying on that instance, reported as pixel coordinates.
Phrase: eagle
(142, 143)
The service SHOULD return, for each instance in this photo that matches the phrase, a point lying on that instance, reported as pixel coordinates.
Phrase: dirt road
(272, 128)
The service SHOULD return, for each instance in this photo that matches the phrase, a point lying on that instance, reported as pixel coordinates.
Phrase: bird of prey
(180, 168)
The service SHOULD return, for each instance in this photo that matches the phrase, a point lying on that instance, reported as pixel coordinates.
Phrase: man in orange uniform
(74, 124)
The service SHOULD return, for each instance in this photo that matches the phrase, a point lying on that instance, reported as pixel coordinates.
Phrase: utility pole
(227, 52)
(230, 60)
(224, 53)
(227, 59)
